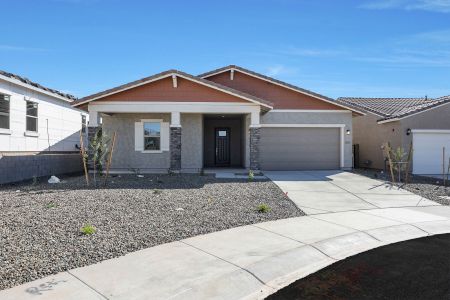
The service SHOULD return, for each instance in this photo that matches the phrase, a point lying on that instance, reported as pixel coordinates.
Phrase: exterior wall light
(408, 131)
(348, 131)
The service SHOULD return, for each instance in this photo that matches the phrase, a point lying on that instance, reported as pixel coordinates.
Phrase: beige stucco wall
(191, 142)
(371, 136)
(125, 158)
(437, 118)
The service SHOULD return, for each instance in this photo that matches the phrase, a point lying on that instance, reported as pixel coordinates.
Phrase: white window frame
(8, 114)
(32, 133)
(84, 124)
(160, 121)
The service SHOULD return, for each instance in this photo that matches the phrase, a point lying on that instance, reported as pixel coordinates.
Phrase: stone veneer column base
(175, 149)
(255, 136)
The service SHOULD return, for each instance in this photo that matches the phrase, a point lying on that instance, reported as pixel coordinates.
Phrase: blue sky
(373, 48)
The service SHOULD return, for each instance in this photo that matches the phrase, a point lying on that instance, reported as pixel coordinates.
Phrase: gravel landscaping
(427, 187)
(40, 223)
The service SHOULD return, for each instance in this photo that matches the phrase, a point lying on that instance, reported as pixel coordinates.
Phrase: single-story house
(229, 117)
(39, 129)
(424, 122)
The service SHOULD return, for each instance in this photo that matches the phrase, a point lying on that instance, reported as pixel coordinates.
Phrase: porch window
(4, 111)
(152, 136)
(83, 123)
(32, 116)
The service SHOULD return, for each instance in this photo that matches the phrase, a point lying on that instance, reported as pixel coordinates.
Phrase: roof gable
(282, 94)
(160, 87)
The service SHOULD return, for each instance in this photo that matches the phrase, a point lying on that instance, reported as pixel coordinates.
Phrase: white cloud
(19, 48)
(310, 52)
(383, 4)
(280, 70)
(431, 5)
(442, 6)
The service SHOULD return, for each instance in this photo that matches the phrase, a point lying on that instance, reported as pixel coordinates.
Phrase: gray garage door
(300, 148)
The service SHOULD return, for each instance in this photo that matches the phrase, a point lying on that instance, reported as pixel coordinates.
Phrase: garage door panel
(300, 148)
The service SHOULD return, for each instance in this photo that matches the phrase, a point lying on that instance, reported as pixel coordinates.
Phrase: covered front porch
(179, 137)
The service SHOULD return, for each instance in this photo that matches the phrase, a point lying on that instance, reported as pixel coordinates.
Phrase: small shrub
(251, 175)
(88, 229)
(263, 208)
(157, 192)
(51, 204)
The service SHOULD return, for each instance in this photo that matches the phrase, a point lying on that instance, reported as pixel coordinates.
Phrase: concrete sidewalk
(248, 262)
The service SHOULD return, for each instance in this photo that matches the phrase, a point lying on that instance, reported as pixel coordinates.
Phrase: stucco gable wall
(282, 98)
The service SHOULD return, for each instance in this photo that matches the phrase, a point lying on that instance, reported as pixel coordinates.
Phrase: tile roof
(166, 73)
(393, 108)
(37, 85)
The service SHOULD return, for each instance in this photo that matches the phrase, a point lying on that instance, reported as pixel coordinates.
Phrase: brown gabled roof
(165, 74)
(291, 86)
(37, 85)
(393, 108)
(278, 82)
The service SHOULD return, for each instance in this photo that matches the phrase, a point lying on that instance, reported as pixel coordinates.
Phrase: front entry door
(222, 146)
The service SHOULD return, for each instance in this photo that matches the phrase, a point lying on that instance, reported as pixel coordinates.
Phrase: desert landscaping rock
(40, 224)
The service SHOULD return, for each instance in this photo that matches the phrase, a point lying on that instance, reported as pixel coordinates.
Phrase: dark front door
(222, 146)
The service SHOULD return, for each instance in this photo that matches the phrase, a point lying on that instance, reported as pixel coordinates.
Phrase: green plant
(263, 208)
(35, 181)
(157, 192)
(399, 159)
(251, 175)
(51, 204)
(98, 147)
(88, 229)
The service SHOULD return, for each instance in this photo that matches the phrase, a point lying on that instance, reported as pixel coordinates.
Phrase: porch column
(255, 135)
(175, 142)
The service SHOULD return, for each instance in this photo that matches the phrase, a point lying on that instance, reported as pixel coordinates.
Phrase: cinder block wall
(15, 168)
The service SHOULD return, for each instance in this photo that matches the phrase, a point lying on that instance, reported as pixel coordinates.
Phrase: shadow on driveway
(416, 269)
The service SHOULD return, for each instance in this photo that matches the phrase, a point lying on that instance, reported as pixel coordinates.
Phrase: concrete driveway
(318, 192)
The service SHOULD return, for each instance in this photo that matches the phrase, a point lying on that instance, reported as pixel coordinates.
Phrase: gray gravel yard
(427, 187)
(40, 224)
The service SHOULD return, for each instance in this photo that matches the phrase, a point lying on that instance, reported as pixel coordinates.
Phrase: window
(4, 111)
(152, 136)
(83, 123)
(32, 116)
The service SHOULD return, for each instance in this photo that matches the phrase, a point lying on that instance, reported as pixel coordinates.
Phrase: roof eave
(28, 86)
